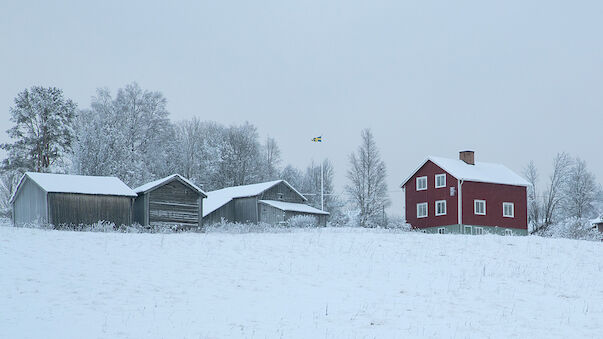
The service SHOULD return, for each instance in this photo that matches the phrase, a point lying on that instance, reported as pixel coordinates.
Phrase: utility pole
(322, 192)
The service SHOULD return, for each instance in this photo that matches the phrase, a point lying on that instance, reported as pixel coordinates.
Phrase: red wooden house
(463, 196)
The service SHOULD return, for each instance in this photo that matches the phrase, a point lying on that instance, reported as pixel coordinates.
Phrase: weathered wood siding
(271, 215)
(225, 212)
(174, 204)
(246, 210)
(75, 209)
(282, 192)
(30, 204)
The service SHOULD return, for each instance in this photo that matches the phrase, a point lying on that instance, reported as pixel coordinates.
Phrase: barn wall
(138, 210)
(282, 190)
(430, 196)
(270, 214)
(174, 203)
(70, 208)
(246, 209)
(225, 212)
(30, 205)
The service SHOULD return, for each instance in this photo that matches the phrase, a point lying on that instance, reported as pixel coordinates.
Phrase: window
(421, 183)
(441, 230)
(421, 210)
(440, 207)
(508, 232)
(479, 230)
(479, 207)
(467, 229)
(279, 196)
(440, 180)
(508, 209)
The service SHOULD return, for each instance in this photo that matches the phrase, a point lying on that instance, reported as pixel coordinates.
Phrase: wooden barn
(464, 196)
(271, 202)
(171, 201)
(59, 199)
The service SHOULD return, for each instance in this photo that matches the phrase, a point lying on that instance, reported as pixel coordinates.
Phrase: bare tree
(239, 153)
(270, 159)
(8, 184)
(367, 186)
(553, 196)
(534, 207)
(580, 191)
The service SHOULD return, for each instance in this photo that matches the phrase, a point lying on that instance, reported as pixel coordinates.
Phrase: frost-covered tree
(8, 183)
(534, 207)
(581, 190)
(128, 136)
(367, 187)
(239, 155)
(293, 176)
(43, 130)
(199, 156)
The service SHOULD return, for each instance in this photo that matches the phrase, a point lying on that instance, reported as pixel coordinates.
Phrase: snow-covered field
(325, 283)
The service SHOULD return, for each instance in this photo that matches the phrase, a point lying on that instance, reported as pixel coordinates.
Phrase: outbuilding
(272, 202)
(171, 201)
(60, 199)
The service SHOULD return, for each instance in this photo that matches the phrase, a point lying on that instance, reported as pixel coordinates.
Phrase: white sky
(513, 80)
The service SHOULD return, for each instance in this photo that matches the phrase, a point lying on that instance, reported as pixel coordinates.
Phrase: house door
(467, 230)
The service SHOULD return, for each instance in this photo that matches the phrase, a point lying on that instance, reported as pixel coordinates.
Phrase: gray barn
(271, 202)
(171, 201)
(59, 199)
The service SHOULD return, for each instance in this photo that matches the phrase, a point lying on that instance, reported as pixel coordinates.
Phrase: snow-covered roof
(293, 207)
(81, 184)
(218, 198)
(598, 220)
(154, 184)
(480, 172)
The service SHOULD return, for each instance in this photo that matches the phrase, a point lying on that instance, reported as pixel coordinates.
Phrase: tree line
(130, 135)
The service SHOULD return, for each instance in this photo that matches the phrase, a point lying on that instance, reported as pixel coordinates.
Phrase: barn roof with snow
(79, 184)
(218, 198)
(157, 183)
(479, 172)
(293, 207)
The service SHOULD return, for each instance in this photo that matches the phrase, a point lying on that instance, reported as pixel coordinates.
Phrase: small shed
(171, 201)
(60, 199)
(597, 224)
(270, 202)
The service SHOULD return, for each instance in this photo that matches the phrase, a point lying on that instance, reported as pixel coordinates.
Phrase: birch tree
(580, 191)
(534, 207)
(367, 187)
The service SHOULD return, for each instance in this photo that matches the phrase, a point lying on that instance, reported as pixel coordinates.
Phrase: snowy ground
(327, 283)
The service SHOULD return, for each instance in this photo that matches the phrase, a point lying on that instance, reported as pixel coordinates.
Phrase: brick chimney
(468, 157)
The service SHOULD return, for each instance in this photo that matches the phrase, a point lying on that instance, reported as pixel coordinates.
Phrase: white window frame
(426, 210)
(468, 228)
(512, 215)
(508, 232)
(479, 230)
(421, 179)
(442, 230)
(436, 207)
(477, 201)
(443, 175)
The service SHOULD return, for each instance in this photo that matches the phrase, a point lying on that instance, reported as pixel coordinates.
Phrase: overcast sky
(513, 80)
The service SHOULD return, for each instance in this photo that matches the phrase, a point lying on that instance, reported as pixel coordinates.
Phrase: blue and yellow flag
(317, 139)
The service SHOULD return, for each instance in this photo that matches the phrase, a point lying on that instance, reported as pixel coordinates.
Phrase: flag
(317, 139)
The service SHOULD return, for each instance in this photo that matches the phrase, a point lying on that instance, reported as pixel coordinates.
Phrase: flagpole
(322, 195)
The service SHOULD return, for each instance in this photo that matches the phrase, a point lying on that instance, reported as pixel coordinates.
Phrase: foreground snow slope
(327, 283)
